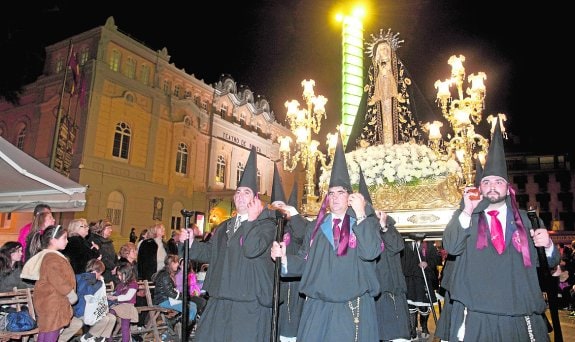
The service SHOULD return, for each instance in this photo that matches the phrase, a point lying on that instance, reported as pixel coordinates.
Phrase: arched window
(182, 158)
(122, 141)
(167, 87)
(239, 172)
(21, 136)
(145, 74)
(221, 170)
(114, 208)
(60, 64)
(84, 55)
(131, 68)
(115, 60)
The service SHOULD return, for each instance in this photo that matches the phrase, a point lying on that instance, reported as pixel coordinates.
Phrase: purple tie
(336, 232)
(496, 232)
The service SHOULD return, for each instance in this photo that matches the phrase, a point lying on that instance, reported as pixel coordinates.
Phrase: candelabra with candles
(302, 122)
(463, 113)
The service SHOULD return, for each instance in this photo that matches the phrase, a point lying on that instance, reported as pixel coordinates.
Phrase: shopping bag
(96, 306)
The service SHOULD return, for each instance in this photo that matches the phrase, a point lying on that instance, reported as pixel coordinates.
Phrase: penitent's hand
(382, 216)
(278, 250)
(357, 202)
(471, 198)
(186, 234)
(541, 238)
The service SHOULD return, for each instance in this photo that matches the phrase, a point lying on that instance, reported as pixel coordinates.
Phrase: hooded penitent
(277, 187)
(339, 177)
(292, 201)
(497, 166)
(249, 177)
(363, 189)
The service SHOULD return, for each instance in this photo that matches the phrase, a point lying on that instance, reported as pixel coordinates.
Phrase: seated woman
(166, 294)
(11, 267)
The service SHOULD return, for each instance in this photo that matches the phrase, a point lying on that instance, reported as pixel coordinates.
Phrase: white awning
(26, 182)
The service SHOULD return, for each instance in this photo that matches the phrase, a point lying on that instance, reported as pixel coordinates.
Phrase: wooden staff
(546, 281)
(276, 294)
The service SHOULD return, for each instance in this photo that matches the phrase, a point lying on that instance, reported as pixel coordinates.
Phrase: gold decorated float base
(439, 193)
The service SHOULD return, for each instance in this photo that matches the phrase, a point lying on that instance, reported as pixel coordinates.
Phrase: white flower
(406, 163)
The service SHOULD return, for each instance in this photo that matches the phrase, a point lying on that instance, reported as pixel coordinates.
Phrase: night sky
(270, 46)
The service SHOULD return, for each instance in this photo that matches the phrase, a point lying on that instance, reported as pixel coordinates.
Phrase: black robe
(500, 296)
(239, 281)
(391, 304)
(292, 299)
(417, 295)
(335, 286)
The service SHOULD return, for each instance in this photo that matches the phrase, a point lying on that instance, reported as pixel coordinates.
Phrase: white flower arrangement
(399, 164)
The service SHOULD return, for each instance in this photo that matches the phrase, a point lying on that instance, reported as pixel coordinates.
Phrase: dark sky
(272, 45)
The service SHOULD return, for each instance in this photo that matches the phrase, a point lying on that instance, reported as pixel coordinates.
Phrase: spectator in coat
(152, 252)
(25, 230)
(55, 287)
(100, 233)
(89, 283)
(79, 250)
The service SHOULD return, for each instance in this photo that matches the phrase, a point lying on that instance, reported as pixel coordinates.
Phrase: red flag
(75, 67)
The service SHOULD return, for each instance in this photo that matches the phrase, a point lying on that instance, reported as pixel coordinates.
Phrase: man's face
(494, 188)
(242, 197)
(338, 199)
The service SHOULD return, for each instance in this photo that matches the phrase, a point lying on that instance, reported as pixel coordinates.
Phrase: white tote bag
(96, 306)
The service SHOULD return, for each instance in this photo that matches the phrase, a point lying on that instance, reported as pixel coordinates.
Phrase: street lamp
(302, 122)
(463, 114)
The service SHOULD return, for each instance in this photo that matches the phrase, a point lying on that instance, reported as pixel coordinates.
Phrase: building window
(131, 68)
(167, 87)
(177, 90)
(60, 64)
(115, 59)
(242, 118)
(20, 137)
(239, 172)
(221, 170)
(114, 208)
(176, 216)
(145, 74)
(224, 110)
(188, 94)
(182, 158)
(121, 141)
(205, 105)
(84, 55)
(259, 179)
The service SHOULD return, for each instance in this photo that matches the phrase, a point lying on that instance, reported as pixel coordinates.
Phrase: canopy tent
(25, 182)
